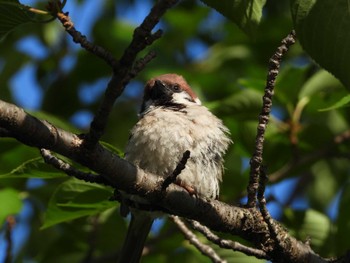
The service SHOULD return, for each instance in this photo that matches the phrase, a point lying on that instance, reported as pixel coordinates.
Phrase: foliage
(228, 70)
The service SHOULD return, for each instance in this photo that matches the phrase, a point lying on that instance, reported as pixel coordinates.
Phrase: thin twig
(142, 37)
(262, 206)
(140, 64)
(70, 170)
(192, 238)
(10, 223)
(180, 166)
(256, 160)
(83, 41)
(225, 243)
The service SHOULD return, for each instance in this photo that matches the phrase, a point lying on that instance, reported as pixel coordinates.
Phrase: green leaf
(288, 84)
(74, 199)
(344, 102)
(10, 203)
(12, 14)
(112, 148)
(309, 224)
(319, 82)
(245, 13)
(34, 168)
(317, 226)
(324, 186)
(322, 28)
(243, 105)
(322, 90)
(13, 154)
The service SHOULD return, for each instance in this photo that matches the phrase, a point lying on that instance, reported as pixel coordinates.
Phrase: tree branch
(192, 238)
(70, 170)
(228, 244)
(264, 211)
(218, 216)
(4, 132)
(82, 40)
(257, 158)
(10, 224)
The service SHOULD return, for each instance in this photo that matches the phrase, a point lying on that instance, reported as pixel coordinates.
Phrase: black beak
(159, 83)
(160, 90)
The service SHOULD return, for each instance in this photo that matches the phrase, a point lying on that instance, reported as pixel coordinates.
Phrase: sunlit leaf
(245, 13)
(309, 224)
(34, 168)
(322, 90)
(74, 199)
(320, 81)
(344, 102)
(321, 27)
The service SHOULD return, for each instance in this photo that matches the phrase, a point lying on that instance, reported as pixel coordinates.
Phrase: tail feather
(134, 242)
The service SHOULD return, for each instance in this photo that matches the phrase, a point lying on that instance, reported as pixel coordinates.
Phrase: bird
(173, 120)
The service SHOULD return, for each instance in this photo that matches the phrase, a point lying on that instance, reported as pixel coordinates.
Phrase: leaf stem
(38, 11)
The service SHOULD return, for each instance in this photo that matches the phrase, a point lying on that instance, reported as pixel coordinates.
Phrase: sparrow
(172, 120)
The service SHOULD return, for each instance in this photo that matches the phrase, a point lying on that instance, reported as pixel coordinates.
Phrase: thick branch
(218, 216)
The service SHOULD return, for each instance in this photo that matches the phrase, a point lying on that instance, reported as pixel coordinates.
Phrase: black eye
(176, 88)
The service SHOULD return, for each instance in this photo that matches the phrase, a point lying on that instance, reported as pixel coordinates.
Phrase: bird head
(168, 91)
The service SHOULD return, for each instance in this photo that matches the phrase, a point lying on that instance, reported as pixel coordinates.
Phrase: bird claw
(188, 188)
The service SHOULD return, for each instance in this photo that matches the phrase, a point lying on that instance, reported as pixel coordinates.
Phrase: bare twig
(256, 160)
(225, 243)
(180, 166)
(70, 170)
(10, 223)
(263, 209)
(142, 37)
(192, 238)
(83, 41)
(140, 65)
